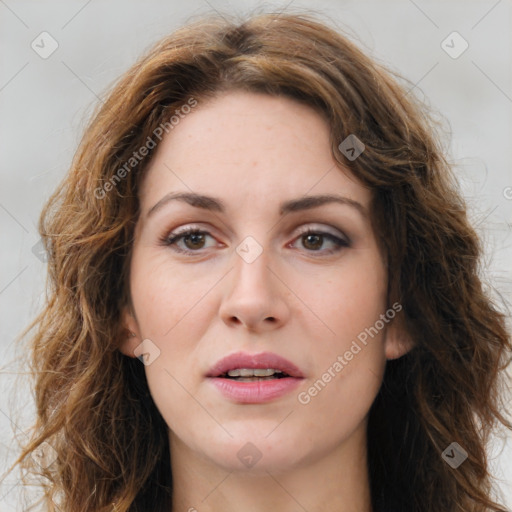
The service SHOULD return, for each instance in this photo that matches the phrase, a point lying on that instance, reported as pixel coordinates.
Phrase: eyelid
(315, 226)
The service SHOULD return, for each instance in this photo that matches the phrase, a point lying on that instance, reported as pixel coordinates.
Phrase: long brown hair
(93, 404)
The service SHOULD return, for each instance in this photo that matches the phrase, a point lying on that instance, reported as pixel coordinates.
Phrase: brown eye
(187, 241)
(194, 240)
(313, 240)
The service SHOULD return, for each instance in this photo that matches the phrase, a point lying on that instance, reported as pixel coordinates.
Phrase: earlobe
(130, 336)
(398, 341)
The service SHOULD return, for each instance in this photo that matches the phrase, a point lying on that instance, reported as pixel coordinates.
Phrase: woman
(265, 291)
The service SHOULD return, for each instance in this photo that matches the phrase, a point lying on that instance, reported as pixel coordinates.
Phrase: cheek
(349, 299)
(165, 308)
(165, 295)
(350, 357)
(340, 407)
(171, 308)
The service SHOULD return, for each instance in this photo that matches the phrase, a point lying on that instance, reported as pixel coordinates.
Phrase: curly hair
(93, 404)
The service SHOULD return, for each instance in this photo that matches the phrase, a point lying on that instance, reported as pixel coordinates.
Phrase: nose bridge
(252, 261)
(254, 294)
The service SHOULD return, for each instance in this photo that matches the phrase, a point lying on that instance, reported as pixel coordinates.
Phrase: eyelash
(172, 238)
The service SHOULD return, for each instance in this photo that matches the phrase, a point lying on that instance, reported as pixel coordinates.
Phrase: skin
(300, 298)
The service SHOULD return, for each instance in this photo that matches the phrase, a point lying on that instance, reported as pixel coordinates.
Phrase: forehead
(251, 149)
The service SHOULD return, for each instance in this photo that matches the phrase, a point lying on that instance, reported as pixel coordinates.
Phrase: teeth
(253, 372)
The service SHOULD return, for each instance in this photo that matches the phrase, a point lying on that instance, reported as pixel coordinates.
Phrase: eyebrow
(215, 204)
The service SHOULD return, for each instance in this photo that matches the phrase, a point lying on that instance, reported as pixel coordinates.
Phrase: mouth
(266, 365)
(254, 375)
(254, 378)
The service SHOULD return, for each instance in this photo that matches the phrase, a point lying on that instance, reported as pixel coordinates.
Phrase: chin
(257, 454)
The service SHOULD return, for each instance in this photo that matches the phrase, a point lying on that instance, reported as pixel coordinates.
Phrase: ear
(130, 335)
(398, 341)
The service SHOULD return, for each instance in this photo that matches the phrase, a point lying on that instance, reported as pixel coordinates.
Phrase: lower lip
(255, 392)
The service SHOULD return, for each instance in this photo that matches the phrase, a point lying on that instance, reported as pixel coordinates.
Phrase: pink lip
(258, 391)
(263, 360)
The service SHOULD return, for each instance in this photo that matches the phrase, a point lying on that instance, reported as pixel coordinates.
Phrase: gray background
(44, 104)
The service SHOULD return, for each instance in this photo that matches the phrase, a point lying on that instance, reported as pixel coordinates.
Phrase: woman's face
(250, 281)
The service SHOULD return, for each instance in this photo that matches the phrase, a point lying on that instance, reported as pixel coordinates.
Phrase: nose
(256, 296)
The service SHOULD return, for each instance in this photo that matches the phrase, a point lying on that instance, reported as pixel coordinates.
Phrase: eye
(193, 238)
(314, 239)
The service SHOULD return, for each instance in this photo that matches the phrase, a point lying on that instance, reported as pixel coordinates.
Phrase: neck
(335, 481)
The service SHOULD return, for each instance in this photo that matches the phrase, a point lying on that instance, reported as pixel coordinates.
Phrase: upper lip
(245, 360)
